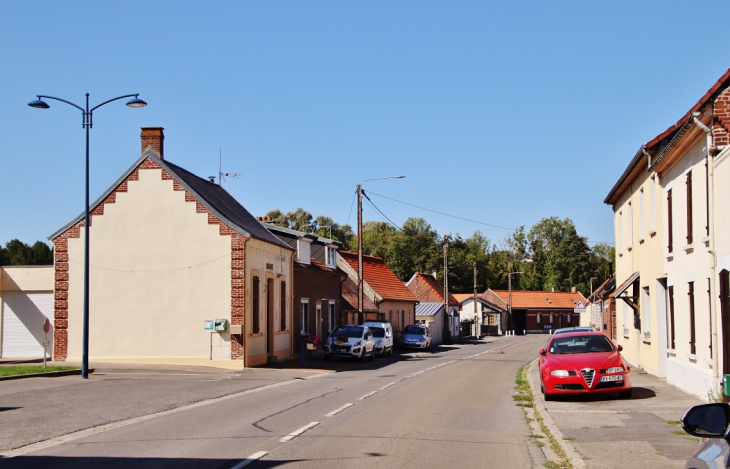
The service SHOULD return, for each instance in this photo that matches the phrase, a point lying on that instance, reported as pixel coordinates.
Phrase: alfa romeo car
(583, 363)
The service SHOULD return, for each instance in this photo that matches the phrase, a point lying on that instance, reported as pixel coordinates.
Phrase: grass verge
(523, 389)
(16, 370)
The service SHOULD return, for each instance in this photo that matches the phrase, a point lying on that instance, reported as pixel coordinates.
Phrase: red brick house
(538, 311)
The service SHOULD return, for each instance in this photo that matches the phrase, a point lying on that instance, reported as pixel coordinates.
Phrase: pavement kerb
(575, 459)
(47, 374)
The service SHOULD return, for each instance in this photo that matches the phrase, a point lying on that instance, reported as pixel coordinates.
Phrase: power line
(469, 220)
(381, 212)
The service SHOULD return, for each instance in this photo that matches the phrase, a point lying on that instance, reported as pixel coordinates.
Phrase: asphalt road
(452, 408)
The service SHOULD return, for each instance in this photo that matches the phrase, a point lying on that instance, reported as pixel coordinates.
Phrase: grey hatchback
(416, 336)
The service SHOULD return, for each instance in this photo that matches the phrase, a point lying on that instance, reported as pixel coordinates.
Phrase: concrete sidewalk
(604, 431)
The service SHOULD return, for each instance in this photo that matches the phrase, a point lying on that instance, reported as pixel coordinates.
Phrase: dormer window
(331, 256)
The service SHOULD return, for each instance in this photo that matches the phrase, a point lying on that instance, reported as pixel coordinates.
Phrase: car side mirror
(707, 420)
(619, 348)
(542, 351)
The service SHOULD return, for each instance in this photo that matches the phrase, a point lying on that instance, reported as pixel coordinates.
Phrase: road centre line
(298, 432)
(418, 372)
(367, 395)
(254, 457)
(388, 385)
(337, 411)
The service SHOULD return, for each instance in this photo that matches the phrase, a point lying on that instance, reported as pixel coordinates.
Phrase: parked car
(417, 336)
(383, 334)
(709, 422)
(581, 363)
(357, 342)
(564, 330)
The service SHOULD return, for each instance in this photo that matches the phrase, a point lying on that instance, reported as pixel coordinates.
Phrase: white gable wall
(158, 270)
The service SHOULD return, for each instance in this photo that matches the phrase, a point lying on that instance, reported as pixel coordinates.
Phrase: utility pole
(476, 321)
(359, 255)
(447, 322)
(510, 320)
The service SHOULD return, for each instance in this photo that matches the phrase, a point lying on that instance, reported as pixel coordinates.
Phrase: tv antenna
(221, 175)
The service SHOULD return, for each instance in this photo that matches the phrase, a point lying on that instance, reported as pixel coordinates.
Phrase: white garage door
(23, 317)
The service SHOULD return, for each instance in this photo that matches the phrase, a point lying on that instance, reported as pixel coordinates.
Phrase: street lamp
(360, 301)
(87, 123)
(510, 324)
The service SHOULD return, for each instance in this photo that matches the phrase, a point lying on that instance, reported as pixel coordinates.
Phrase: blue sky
(501, 113)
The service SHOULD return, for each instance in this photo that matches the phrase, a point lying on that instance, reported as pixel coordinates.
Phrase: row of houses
(181, 272)
(668, 304)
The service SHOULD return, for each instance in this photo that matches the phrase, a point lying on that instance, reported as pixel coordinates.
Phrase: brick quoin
(721, 123)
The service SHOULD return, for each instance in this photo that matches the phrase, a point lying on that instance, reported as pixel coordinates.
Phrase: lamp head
(38, 103)
(136, 102)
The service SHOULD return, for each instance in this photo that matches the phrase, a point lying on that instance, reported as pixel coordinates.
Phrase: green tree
(561, 258)
(17, 252)
(416, 248)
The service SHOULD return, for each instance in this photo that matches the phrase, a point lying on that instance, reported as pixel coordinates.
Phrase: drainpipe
(711, 242)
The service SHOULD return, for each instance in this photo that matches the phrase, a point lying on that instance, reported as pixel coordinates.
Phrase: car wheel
(372, 354)
(625, 394)
(390, 352)
(549, 397)
(363, 355)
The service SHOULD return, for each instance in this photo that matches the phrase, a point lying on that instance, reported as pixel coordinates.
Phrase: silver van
(383, 334)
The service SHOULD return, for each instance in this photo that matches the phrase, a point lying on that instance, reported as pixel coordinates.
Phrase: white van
(383, 334)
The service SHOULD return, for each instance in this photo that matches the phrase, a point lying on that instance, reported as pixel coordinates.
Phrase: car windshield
(416, 330)
(572, 329)
(580, 344)
(351, 331)
(378, 331)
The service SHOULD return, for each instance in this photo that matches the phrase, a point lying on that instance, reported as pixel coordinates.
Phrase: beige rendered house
(673, 251)
(171, 253)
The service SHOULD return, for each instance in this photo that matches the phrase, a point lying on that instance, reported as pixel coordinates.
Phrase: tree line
(549, 256)
(17, 252)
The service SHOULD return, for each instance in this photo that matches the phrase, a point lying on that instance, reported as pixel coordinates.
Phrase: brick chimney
(153, 138)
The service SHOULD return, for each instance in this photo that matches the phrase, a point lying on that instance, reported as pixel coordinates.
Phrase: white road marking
(296, 433)
(250, 459)
(387, 386)
(367, 395)
(337, 411)
(418, 373)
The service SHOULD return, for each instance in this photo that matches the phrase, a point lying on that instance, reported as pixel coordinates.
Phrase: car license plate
(606, 379)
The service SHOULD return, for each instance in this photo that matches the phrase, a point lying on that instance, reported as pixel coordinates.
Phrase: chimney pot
(153, 139)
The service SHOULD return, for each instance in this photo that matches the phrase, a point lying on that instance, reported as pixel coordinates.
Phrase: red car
(582, 363)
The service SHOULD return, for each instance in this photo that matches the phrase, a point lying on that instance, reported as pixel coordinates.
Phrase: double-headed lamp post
(87, 123)
(360, 301)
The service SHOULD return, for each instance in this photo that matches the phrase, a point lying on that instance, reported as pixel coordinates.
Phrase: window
(626, 318)
(282, 307)
(691, 294)
(619, 238)
(630, 222)
(641, 213)
(709, 298)
(670, 292)
(304, 316)
(255, 326)
(670, 240)
(689, 207)
(645, 310)
(538, 318)
(652, 203)
(331, 315)
(331, 256)
(570, 317)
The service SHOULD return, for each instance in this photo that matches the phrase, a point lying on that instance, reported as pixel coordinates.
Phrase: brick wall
(721, 123)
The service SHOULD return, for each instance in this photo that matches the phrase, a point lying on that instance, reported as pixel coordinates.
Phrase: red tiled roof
(316, 266)
(349, 295)
(540, 299)
(379, 277)
(460, 297)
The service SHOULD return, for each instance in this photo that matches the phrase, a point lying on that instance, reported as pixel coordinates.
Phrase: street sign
(47, 326)
(580, 307)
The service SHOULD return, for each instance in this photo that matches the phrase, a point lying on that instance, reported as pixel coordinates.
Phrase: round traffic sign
(46, 326)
